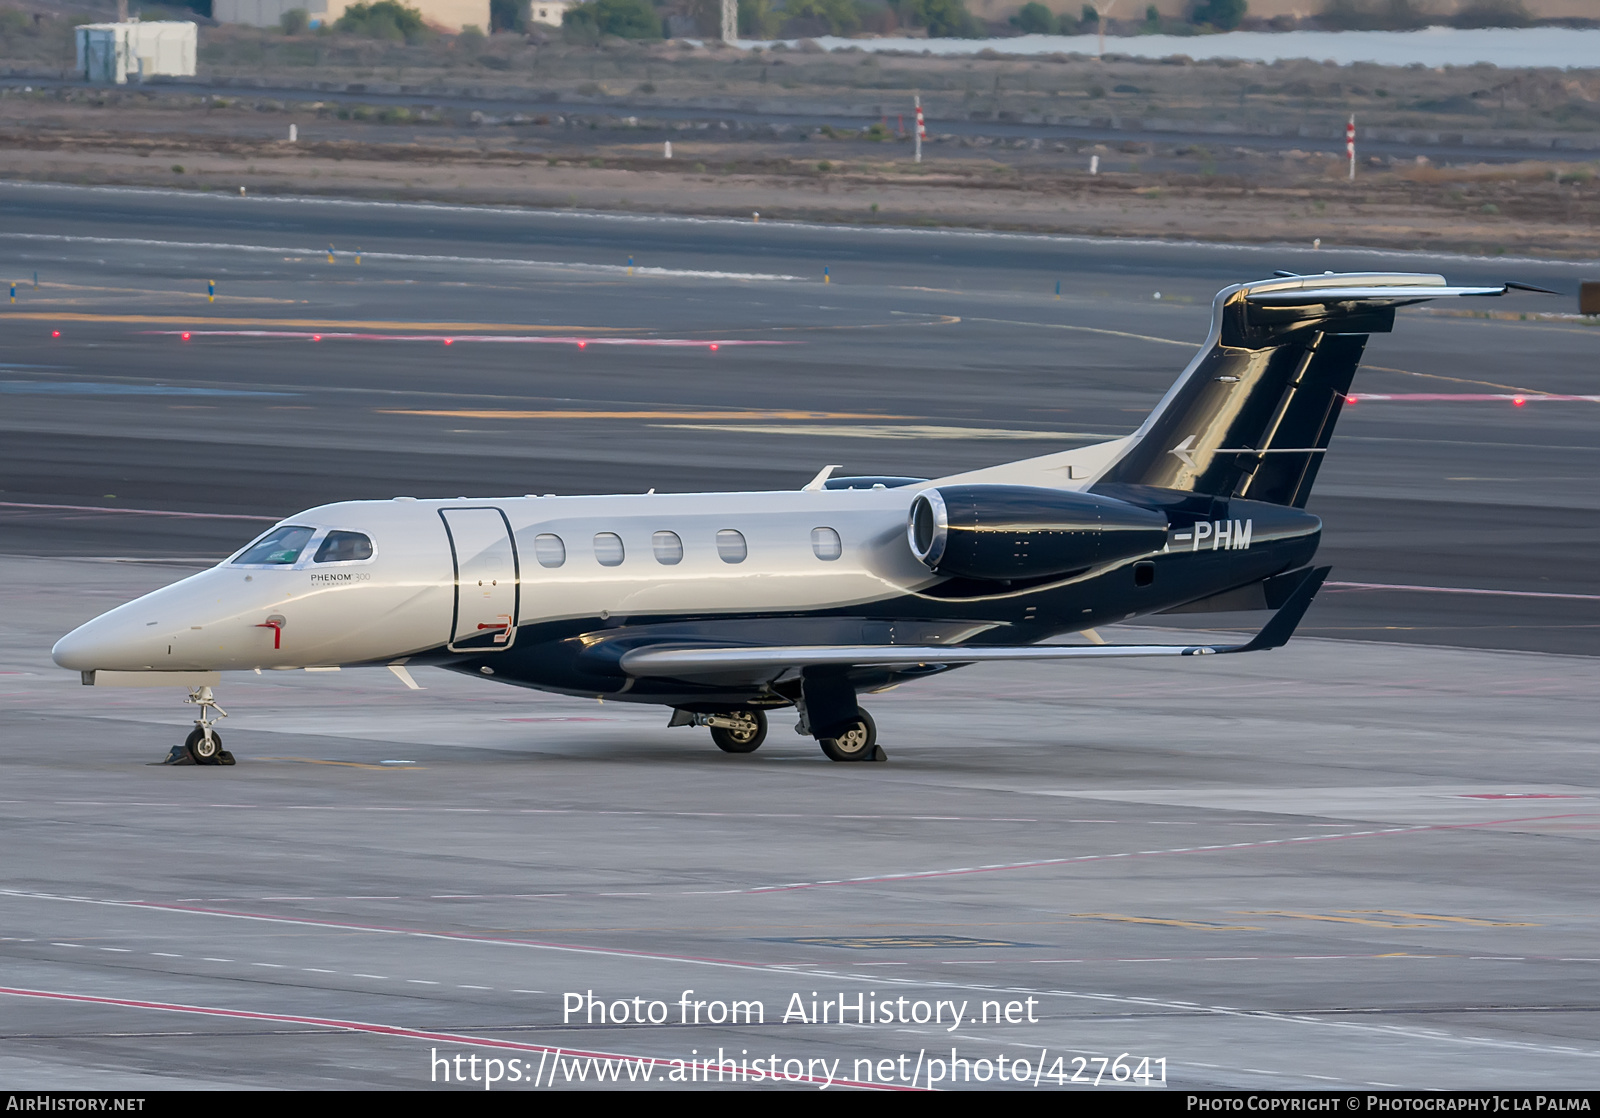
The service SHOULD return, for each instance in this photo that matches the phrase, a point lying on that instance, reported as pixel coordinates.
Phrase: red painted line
(1468, 397)
(384, 929)
(1458, 590)
(140, 512)
(1209, 849)
(521, 339)
(393, 1030)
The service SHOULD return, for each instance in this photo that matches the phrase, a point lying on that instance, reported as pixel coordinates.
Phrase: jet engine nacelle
(1005, 532)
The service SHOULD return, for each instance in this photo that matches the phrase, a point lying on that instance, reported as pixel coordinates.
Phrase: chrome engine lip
(941, 528)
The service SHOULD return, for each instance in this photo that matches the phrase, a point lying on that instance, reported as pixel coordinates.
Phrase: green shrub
(1035, 19)
(758, 19)
(1221, 14)
(384, 19)
(627, 19)
(296, 21)
(944, 19)
(840, 15)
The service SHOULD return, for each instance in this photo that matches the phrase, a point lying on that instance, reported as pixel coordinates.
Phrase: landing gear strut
(203, 746)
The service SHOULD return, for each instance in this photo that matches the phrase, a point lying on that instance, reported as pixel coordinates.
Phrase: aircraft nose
(104, 643)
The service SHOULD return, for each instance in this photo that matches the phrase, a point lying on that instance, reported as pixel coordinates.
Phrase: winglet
(818, 482)
(1276, 633)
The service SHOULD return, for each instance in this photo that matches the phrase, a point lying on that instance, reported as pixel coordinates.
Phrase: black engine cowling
(1009, 532)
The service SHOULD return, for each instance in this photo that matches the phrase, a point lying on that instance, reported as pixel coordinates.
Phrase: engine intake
(1009, 532)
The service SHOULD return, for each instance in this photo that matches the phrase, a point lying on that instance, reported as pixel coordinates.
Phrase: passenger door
(487, 579)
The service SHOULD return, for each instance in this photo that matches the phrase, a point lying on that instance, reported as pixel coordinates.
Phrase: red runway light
(186, 335)
(1518, 401)
(1349, 399)
(55, 333)
(448, 341)
(713, 346)
(582, 344)
(316, 337)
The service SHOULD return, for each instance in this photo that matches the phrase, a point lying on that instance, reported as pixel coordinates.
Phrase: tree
(1221, 14)
(839, 15)
(295, 21)
(944, 19)
(758, 19)
(385, 19)
(1035, 19)
(627, 19)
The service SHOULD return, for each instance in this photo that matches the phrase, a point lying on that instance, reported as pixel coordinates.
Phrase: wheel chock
(179, 756)
(225, 758)
(877, 754)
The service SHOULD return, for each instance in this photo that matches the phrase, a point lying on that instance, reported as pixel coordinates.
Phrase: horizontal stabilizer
(1391, 293)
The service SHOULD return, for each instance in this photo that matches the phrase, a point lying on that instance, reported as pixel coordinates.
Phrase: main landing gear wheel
(858, 743)
(742, 739)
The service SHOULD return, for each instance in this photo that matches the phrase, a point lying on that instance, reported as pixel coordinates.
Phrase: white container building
(115, 52)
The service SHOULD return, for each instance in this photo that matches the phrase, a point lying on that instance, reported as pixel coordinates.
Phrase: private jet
(726, 606)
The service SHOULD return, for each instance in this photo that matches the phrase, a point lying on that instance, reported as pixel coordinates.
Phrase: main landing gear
(857, 742)
(743, 731)
(203, 746)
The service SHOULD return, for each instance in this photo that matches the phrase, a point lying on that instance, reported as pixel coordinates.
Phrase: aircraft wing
(681, 662)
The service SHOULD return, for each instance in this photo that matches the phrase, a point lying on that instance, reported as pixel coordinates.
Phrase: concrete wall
(263, 13)
(445, 15)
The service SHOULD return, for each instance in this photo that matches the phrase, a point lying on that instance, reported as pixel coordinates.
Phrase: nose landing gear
(203, 746)
(733, 731)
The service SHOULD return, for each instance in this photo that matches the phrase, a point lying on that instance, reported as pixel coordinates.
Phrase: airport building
(548, 11)
(117, 52)
(446, 15)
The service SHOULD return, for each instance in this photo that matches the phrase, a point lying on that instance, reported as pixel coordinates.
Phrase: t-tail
(1253, 414)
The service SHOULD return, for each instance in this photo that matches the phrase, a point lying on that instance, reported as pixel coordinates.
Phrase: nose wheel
(203, 746)
(739, 731)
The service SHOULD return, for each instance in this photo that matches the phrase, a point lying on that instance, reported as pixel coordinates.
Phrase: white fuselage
(425, 586)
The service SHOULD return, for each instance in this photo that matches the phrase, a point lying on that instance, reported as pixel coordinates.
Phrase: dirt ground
(598, 139)
(1545, 208)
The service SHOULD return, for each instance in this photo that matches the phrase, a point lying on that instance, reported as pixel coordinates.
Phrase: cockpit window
(344, 547)
(279, 547)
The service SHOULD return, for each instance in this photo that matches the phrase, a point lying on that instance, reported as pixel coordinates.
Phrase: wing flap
(701, 661)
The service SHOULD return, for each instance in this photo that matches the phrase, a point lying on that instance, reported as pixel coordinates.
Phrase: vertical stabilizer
(1253, 414)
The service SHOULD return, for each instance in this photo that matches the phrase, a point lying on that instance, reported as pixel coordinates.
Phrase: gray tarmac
(1355, 862)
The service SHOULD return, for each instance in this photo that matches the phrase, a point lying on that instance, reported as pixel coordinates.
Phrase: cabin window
(279, 547)
(668, 548)
(731, 546)
(344, 547)
(549, 550)
(608, 549)
(825, 544)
